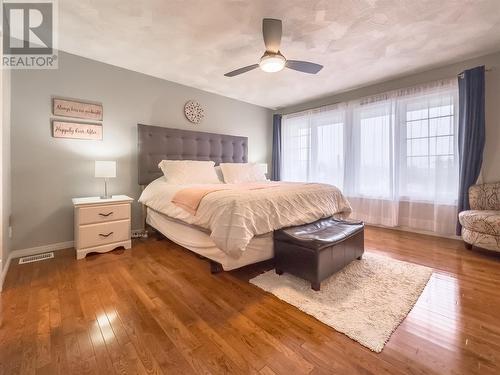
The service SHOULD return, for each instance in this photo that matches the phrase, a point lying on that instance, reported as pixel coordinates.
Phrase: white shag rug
(366, 301)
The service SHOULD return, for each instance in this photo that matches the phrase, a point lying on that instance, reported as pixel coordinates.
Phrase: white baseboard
(4, 272)
(41, 249)
(32, 251)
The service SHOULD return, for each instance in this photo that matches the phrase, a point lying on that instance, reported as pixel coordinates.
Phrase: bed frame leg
(468, 246)
(159, 235)
(215, 267)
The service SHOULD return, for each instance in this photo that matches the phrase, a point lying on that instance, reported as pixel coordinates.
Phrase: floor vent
(36, 258)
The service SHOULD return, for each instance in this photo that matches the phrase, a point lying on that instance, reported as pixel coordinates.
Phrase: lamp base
(106, 195)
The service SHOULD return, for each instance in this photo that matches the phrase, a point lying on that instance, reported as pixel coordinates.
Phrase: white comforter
(233, 218)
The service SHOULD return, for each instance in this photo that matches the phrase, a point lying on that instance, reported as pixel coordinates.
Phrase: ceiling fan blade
(241, 70)
(303, 66)
(271, 30)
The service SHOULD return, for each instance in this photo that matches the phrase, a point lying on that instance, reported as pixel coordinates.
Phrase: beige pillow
(181, 172)
(236, 173)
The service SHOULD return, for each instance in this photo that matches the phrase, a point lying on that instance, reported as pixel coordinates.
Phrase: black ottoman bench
(316, 251)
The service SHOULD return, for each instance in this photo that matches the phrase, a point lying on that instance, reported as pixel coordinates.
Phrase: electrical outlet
(139, 234)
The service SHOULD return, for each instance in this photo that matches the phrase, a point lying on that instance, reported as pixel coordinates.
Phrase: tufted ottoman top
(320, 234)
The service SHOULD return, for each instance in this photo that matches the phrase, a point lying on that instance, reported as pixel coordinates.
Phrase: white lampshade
(263, 167)
(105, 169)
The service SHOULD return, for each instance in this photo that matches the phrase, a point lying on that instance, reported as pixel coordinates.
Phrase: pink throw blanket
(190, 198)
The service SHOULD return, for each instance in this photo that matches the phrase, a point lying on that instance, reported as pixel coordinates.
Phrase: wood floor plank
(156, 309)
(144, 329)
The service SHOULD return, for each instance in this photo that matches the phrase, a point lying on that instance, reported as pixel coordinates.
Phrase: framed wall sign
(76, 109)
(75, 130)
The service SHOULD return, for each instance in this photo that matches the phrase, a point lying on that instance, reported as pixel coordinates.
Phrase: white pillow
(182, 172)
(235, 173)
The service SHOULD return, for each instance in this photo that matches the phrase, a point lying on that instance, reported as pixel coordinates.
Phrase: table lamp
(105, 169)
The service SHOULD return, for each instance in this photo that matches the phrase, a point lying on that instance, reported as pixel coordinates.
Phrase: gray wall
(491, 163)
(48, 172)
(5, 167)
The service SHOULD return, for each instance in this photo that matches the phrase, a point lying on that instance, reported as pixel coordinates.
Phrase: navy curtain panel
(276, 160)
(471, 132)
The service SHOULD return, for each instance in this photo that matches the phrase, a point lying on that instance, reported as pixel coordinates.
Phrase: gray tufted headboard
(157, 143)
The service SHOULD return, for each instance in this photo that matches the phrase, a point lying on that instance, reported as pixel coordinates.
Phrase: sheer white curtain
(313, 145)
(394, 155)
(370, 172)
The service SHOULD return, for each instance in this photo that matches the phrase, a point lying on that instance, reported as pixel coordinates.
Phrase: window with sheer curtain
(393, 155)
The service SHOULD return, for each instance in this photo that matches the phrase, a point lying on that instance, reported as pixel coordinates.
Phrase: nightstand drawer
(98, 214)
(102, 234)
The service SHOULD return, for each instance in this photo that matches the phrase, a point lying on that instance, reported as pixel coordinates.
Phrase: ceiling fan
(272, 60)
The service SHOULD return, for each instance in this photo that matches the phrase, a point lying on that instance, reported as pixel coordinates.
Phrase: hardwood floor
(156, 309)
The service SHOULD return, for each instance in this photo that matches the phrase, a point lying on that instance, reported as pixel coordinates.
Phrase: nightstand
(102, 225)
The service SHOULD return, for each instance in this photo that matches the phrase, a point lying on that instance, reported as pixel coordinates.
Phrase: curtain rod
(310, 108)
(344, 101)
(461, 75)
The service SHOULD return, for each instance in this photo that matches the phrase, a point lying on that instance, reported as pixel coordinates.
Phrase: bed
(231, 228)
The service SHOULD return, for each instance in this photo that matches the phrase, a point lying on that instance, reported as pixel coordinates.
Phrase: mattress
(260, 248)
(233, 217)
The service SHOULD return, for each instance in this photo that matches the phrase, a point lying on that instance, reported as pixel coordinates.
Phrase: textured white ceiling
(194, 42)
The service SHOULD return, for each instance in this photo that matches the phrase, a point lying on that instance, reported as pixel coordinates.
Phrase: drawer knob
(105, 235)
(106, 215)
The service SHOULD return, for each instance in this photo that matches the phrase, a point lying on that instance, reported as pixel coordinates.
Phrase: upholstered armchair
(481, 224)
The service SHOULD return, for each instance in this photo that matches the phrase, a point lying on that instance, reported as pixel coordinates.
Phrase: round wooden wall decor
(194, 111)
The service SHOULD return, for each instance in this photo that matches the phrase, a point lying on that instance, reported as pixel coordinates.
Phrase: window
(429, 166)
(330, 155)
(313, 146)
(395, 147)
(297, 148)
(373, 151)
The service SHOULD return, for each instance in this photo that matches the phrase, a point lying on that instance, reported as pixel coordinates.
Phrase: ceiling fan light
(272, 63)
